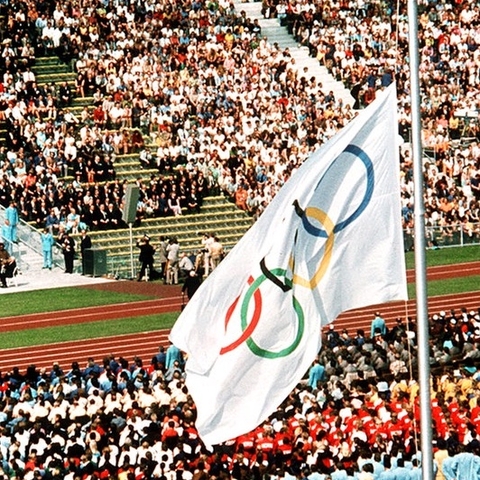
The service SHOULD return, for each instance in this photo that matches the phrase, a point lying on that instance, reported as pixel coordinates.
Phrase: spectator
(316, 374)
(378, 326)
(185, 265)
(11, 222)
(68, 249)
(7, 265)
(216, 252)
(173, 254)
(85, 244)
(191, 283)
(47, 246)
(174, 206)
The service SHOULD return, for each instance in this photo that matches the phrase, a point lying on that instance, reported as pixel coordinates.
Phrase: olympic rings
(325, 262)
(328, 231)
(253, 323)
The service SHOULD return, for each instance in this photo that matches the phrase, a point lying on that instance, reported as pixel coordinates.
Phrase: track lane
(91, 314)
(441, 272)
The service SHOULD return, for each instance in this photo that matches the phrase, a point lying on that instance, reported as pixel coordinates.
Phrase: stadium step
(82, 101)
(53, 60)
(56, 78)
(41, 69)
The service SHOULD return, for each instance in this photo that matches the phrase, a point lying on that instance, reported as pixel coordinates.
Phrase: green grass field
(63, 298)
(447, 256)
(84, 331)
(40, 301)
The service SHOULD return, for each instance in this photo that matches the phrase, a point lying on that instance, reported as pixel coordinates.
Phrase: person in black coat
(68, 249)
(191, 284)
(85, 244)
(147, 251)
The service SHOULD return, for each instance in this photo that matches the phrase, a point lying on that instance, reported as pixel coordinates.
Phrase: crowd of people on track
(355, 414)
(227, 110)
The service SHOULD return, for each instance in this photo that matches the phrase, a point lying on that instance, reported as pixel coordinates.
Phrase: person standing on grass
(147, 251)
(162, 256)
(85, 244)
(216, 253)
(173, 255)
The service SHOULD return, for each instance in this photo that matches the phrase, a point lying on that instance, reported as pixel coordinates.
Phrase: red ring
(251, 326)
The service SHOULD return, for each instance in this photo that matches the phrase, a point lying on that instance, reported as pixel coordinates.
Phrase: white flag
(331, 240)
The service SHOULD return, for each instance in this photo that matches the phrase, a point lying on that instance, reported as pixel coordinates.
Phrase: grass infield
(85, 331)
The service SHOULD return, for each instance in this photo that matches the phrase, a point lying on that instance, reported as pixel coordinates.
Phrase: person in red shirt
(99, 117)
(281, 435)
(284, 453)
(170, 435)
(316, 425)
(246, 445)
(393, 428)
(266, 446)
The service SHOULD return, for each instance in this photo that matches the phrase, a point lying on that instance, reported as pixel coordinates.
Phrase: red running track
(146, 344)
(443, 272)
(91, 314)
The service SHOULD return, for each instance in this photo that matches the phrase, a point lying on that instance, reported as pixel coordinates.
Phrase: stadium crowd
(355, 415)
(227, 110)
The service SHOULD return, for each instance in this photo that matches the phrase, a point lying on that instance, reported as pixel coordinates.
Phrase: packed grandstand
(227, 110)
(228, 113)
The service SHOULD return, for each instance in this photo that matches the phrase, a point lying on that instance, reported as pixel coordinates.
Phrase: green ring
(254, 348)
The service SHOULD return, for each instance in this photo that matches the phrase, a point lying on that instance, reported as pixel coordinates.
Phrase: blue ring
(358, 152)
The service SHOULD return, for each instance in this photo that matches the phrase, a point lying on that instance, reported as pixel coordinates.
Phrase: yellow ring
(325, 220)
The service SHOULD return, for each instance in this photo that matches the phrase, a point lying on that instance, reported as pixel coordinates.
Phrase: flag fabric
(331, 240)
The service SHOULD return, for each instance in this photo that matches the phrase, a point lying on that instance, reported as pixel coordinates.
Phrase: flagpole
(420, 262)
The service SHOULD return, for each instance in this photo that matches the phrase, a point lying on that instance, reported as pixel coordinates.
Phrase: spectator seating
(218, 214)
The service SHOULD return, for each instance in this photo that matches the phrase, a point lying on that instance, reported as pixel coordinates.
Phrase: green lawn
(445, 287)
(39, 301)
(447, 256)
(63, 298)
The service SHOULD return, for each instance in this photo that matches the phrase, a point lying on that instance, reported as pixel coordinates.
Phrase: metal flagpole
(420, 263)
(132, 270)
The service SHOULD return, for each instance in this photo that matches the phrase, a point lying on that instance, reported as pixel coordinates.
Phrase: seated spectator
(136, 142)
(114, 216)
(72, 221)
(174, 206)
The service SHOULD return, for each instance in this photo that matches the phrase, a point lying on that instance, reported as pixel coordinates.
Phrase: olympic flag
(331, 240)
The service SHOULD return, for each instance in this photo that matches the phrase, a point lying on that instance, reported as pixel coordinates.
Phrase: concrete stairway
(274, 32)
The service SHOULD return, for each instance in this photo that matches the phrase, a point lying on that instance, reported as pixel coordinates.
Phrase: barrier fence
(456, 235)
